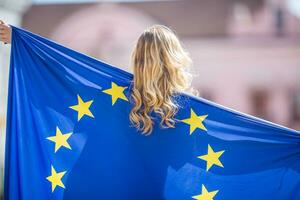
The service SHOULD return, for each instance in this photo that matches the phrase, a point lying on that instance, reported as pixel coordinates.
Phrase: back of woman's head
(160, 70)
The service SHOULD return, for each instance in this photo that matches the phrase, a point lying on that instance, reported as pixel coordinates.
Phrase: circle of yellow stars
(82, 108)
(211, 158)
(117, 92)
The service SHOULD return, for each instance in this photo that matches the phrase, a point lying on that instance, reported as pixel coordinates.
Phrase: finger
(2, 27)
(1, 22)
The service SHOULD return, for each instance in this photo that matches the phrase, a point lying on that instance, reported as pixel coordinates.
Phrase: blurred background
(246, 53)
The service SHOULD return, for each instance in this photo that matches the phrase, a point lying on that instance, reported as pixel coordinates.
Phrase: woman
(160, 70)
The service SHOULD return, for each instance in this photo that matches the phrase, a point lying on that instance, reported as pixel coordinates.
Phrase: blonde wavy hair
(160, 70)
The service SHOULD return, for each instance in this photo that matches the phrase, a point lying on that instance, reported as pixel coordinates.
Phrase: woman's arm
(5, 32)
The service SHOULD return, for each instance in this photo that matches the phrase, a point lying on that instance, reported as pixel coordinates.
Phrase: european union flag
(69, 137)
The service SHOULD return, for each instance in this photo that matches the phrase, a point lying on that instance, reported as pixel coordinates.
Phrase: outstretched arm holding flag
(70, 133)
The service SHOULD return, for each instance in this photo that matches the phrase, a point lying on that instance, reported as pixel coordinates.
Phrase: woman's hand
(5, 32)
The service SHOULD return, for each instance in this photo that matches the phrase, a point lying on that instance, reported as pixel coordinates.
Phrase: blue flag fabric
(69, 137)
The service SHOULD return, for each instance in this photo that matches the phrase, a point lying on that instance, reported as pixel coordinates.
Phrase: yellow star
(55, 178)
(212, 158)
(116, 92)
(205, 195)
(60, 139)
(83, 108)
(195, 121)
